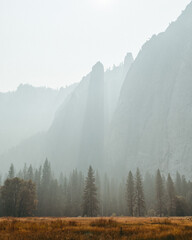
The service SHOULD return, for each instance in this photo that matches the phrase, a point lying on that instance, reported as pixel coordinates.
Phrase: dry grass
(95, 228)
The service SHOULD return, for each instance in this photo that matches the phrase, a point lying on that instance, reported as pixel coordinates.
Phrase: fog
(55, 43)
(74, 135)
(26, 112)
(135, 114)
(116, 142)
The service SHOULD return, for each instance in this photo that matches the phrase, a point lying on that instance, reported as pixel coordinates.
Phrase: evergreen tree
(45, 194)
(25, 172)
(46, 176)
(120, 195)
(182, 207)
(149, 190)
(189, 202)
(75, 191)
(178, 184)
(65, 195)
(139, 200)
(184, 186)
(160, 194)
(30, 173)
(54, 199)
(171, 196)
(90, 201)
(98, 186)
(130, 194)
(106, 196)
(11, 172)
(116, 198)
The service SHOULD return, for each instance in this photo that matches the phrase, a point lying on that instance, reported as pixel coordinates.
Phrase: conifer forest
(37, 192)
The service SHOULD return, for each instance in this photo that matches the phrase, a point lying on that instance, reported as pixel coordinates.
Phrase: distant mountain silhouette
(77, 135)
(27, 111)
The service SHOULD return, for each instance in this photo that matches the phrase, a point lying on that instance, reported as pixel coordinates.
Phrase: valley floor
(95, 228)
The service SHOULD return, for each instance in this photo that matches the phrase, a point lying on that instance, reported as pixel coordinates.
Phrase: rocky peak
(128, 60)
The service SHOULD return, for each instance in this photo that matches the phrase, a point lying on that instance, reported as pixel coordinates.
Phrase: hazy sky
(55, 42)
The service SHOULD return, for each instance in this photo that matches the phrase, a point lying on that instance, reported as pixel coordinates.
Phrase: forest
(37, 192)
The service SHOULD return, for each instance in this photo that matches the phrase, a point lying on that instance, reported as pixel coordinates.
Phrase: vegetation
(37, 192)
(139, 201)
(90, 201)
(160, 195)
(18, 198)
(130, 194)
(95, 228)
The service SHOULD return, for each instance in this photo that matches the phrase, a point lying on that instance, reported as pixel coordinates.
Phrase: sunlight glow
(103, 2)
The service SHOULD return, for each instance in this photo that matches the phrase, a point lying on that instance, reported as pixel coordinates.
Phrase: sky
(54, 43)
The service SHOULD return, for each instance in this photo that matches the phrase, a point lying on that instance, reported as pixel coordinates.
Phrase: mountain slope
(77, 135)
(28, 111)
(152, 124)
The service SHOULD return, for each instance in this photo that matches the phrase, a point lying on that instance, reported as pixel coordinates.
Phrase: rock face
(77, 135)
(27, 111)
(78, 132)
(113, 82)
(92, 135)
(152, 124)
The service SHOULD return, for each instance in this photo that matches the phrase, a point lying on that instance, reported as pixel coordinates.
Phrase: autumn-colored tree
(18, 198)
(28, 199)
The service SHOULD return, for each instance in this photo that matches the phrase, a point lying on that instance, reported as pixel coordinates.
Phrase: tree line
(37, 192)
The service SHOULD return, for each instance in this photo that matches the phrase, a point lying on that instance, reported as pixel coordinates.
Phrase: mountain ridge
(151, 124)
(70, 134)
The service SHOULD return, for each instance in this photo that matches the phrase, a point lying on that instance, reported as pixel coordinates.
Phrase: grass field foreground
(95, 228)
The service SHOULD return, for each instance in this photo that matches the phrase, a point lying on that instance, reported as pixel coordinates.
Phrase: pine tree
(178, 184)
(139, 200)
(149, 190)
(46, 176)
(122, 204)
(30, 173)
(98, 186)
(11, 174)
(171, 196)
(90, 201)
(115, 198)
(130, 194)
(184, 186)
(44, 194)
(106, 196)
(160, 194)
(54, 199)
(75, 193)
(25, 172)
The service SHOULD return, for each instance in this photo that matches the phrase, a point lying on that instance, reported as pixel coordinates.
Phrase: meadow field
(95, 228)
